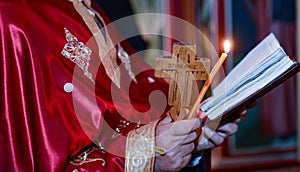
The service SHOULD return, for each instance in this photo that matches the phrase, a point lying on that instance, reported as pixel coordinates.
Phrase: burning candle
(210, 79)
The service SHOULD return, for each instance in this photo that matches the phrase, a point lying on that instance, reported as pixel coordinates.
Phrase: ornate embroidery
(122, 126)
(106, 48)
(124, 57)
(83, 158)
(78, 53)
(140, 149)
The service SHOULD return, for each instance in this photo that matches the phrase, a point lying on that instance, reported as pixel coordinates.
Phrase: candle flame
(226, 46)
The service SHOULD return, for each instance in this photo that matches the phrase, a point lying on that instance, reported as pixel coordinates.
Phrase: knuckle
(171, 154)
(235, 128)
(185, 160)
(189, 147)
(219, 140)
(191, 137)
(232, 128)
(194, 135)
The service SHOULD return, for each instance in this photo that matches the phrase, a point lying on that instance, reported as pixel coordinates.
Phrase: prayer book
(265, 67)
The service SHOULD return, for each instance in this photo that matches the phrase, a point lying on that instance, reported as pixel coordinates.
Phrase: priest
(73, 100)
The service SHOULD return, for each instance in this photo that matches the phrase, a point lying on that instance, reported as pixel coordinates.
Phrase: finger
(216, 138)
(207, 132)
(181, 162)
(200, 113)
(204, 144)
(186, 160)
(205, 101)
(244, 112)
(241, 118)
(185, 127)
(227, 129)
(186, 149)
(190, 138)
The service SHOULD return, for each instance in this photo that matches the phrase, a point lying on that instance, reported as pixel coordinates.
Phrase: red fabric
(41, 125)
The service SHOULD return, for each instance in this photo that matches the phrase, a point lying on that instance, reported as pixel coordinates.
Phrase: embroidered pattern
(122, 126)
(140, 149)
(78, 53)
(83, 158)
(124, 57)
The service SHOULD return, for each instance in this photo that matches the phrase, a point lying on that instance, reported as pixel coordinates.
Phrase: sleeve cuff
(140, 148)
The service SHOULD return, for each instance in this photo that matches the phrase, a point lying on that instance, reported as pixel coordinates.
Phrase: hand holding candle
(210, 79)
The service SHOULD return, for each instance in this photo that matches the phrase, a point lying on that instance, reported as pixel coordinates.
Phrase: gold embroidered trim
(140, 149)
(106, 48)
(107, 51)
(78, 53)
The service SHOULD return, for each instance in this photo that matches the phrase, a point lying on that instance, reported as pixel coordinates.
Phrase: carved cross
(182, 69)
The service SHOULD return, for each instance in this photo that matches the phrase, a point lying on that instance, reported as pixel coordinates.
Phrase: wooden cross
(182, 69)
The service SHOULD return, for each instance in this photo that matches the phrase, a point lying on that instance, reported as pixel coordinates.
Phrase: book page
(264, 64)
(247, 86)
(263, 50)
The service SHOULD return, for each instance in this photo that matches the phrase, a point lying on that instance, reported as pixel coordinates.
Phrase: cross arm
(164, 67)
(200, 69)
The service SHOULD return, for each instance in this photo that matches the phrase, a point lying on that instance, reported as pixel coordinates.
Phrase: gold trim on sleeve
(140, 151)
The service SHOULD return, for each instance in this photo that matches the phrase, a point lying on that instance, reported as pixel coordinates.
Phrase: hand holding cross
(182, 69)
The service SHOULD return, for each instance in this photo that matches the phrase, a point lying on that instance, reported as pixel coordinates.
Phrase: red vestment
(42, 125)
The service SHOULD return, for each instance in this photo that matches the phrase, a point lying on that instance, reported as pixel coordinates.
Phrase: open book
(263, 68)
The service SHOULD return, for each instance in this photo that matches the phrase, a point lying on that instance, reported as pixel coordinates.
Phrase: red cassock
(42, 124)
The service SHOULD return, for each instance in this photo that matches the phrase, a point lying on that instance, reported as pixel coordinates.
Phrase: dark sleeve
(203, 166)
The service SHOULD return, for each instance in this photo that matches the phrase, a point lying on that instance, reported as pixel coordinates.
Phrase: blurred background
(268, 139)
